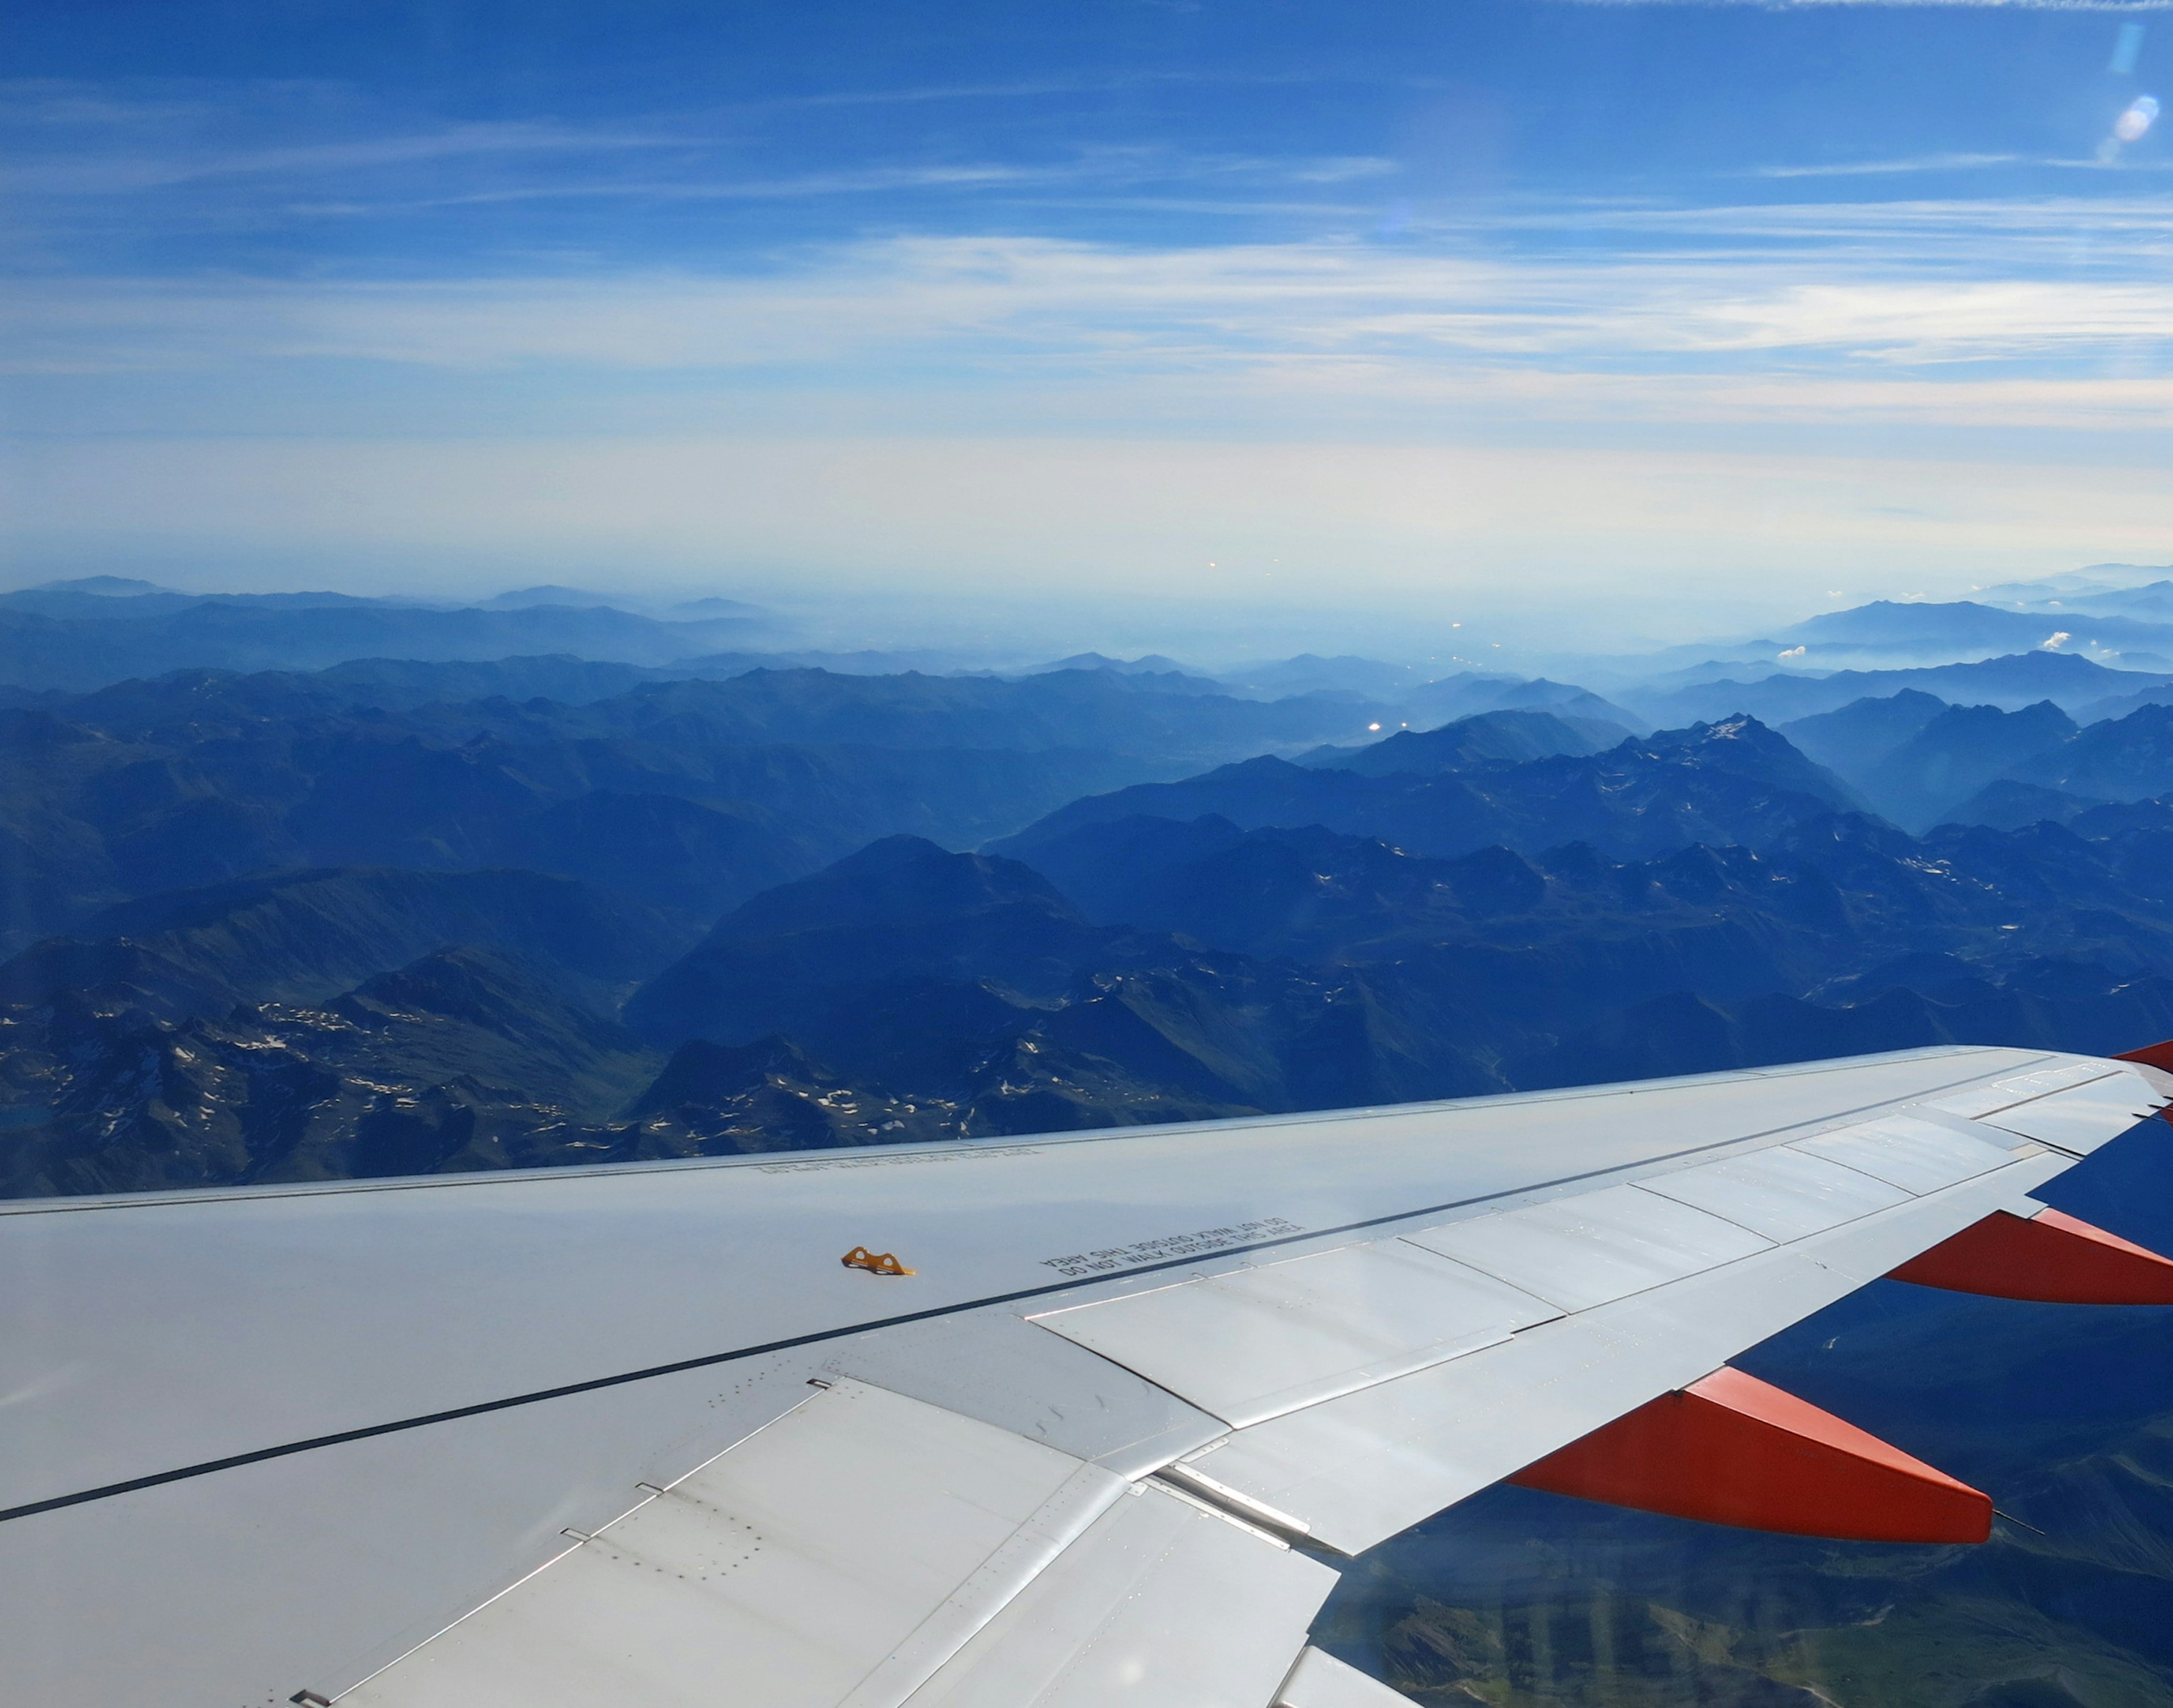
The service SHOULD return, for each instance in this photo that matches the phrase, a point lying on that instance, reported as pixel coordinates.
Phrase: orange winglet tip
(875, 1263)
(1734, 1450)
(2050, 1258)
(2157, 1055)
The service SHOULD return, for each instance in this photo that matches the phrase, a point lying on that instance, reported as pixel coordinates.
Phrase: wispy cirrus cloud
(124, 170)
(1792, 314)
(1105, 169)
(1878, 168)
(90, 167)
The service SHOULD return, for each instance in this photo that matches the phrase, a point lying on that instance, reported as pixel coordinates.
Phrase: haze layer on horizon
(1644, 319)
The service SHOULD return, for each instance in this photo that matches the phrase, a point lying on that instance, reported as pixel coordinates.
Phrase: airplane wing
(1088, 1418)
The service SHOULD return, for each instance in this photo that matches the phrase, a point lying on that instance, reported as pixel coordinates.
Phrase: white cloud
(1810, 299)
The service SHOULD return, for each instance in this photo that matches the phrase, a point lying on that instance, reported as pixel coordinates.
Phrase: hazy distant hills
(2069, 682)
(1096, 709)
(1472, 691)
(1966, 626)
(2151, 602)
(2136, 621)
(63, 636)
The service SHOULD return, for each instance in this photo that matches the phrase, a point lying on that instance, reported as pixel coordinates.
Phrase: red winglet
(1734, 1450)
(2051, 1258)
(2157, 1055)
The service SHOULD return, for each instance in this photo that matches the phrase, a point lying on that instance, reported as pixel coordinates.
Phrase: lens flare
(2134, 125)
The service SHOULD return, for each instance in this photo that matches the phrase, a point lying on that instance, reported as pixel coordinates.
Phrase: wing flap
(1258, 1342)
(1784, 1194)
(839, 1555)
(1358, 1470)
(1979, 1101)
(1903, 1150)
(1586, 1250)
(2083, 1118)
(1162, 1604)
(1320, 1680)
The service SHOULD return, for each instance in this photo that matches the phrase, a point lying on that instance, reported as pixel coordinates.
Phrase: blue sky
(1550, 315)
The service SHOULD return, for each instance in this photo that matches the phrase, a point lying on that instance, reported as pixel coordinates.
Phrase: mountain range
(66, 638)
(426, 910)
(1109, 967)
(2069, 680)
(741, 901)
(688, 795)
(1735, 781)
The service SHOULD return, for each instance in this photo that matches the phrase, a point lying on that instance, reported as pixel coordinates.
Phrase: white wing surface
(587, 1438)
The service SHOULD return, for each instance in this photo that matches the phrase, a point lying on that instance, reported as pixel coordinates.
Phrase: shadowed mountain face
(2131, 759)
(1733, 782)
(910, 994)
(1161, 966)
(1473, 691)
(302, 1026)
(1956, 753)
(303, 936)
(1922, 763)
(2003, 803)
(464, 1059)
(1511, 737)
(901, 908)
(688, 795)
(1840, 901)
(1851, 740)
